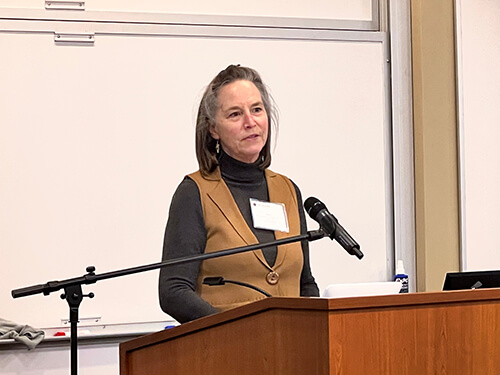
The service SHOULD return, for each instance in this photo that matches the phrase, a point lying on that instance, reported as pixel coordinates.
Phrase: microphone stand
(73, 287)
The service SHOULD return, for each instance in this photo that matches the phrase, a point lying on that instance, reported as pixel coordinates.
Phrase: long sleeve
(185, 235)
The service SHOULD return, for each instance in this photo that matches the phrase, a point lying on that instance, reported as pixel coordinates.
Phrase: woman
(211, 208)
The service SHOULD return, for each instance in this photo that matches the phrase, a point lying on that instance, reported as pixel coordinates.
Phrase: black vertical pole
(73, 294)
(74, 340)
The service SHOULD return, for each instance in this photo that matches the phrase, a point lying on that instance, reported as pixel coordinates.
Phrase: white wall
(478, 27)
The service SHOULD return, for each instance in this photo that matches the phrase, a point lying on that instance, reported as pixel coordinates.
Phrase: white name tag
(270, 216)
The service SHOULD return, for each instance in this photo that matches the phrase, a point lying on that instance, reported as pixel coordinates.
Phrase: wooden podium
(420, 333)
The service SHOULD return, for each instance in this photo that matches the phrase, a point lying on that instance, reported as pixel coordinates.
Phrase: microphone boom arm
(91, 277)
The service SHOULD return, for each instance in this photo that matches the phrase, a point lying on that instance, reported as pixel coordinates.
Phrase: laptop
(362, 289)
(471, 280)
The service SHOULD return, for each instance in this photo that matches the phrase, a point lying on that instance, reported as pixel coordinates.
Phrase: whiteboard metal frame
(56, 27)
(402, 133)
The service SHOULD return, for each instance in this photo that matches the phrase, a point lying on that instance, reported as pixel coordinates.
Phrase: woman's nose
(249, 120)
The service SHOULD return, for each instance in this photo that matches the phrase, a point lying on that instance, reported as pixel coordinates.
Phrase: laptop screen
(472, 280)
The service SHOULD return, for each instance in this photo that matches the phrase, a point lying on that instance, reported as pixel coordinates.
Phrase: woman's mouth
(253, 136)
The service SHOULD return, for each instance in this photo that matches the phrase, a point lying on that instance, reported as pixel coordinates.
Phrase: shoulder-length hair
(206, 145)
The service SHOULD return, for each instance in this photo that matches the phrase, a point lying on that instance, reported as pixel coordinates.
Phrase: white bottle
(402, 277)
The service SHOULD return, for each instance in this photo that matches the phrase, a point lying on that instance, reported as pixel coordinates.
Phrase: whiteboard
(478, 25)
(95, 139)
(320, 9)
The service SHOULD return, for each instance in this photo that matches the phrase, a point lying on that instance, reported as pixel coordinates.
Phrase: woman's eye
(234, 114)
(257, 109)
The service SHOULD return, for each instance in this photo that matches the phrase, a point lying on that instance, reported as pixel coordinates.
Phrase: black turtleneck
(247, 181)
(185, 235)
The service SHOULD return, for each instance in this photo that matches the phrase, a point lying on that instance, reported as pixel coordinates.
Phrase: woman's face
(241, 123)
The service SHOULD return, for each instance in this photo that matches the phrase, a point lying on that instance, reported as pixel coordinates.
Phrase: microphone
(219, 280)
(331, 226)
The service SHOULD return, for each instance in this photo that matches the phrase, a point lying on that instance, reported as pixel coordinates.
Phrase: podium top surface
(331, 305)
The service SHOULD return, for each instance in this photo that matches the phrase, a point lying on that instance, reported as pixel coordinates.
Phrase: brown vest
(227, 228)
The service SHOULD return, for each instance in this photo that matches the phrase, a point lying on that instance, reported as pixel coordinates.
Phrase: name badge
(270, 216)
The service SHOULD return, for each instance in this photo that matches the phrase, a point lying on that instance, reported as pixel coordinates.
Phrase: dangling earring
(217, 147)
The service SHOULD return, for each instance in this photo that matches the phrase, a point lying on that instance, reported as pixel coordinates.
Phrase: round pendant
(272, 277)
